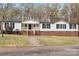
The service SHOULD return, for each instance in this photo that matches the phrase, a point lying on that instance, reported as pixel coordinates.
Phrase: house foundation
(46, 33)
(53, 33)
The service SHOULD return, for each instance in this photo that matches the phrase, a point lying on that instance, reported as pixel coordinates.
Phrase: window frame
(6, 24)
(43, 25)
(25, 25)
(12, 24)
(61, 26)
(64, 26)
(57, 26)
(72, 26)
(0, 25)
(46, 26)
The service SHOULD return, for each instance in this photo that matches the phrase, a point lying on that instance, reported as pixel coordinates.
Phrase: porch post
(78, 29)
(34, 29)
(27, 29)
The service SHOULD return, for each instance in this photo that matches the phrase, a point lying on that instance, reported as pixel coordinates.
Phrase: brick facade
(54, 33)
(60, 33)
(48, 33)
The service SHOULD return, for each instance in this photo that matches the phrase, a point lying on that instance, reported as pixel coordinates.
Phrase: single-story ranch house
(32, 27)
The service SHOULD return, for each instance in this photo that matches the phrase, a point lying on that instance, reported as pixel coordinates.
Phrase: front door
(30, 31)
(30, 27)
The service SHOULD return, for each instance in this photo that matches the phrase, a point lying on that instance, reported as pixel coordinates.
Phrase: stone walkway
(33, 40)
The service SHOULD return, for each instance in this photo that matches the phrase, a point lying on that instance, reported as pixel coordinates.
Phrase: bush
(9, 29)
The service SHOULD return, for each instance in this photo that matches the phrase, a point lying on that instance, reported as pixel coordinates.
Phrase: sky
(38, 4)
(35, 4)
(39, 1)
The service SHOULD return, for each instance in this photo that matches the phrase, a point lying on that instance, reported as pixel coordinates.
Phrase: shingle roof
(43, 21)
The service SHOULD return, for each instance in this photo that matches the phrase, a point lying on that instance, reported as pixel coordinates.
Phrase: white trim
(30, 22)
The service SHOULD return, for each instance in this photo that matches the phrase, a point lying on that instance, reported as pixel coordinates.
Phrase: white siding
(17, 26)
(3, 26)
(53, 27)
(67, 27)
(42, 29)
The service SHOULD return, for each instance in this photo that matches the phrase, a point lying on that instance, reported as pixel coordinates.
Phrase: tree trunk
(2, 34)
(2, 30)
(78, 29)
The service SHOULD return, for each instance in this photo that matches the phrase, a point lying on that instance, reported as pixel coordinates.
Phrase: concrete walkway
(33, 40)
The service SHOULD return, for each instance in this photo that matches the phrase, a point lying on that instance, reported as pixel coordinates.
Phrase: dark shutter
(12, 24)
(72, 26)
(64, 26)
(6, 25)
(43, 25)
(0, 26)
(48, 26)
(57, 26)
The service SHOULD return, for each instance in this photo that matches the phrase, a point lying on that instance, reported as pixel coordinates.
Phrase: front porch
(30, 27)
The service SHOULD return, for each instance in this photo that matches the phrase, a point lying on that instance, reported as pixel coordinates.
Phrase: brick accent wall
(30, 33)
(48, 33)
(54, 33)
(60, 33)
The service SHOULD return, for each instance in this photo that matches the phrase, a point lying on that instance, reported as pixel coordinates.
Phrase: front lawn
(22, 40)
(13, 40)
(58, 40)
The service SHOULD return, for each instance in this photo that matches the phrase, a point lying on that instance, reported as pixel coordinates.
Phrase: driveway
(71, 50)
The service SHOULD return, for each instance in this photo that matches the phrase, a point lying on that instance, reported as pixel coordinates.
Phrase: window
(12, 24)
(9, 25)
(36, 25)
(46, 25)
(64, 26)
(0, 26)
(6, 25)
(25, 25)
(72, 26)
(60, 26)
(57, 26)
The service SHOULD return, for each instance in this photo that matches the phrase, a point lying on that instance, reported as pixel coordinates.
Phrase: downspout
(27, 29)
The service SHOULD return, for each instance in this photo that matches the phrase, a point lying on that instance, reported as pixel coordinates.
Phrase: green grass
(13, 40)
(58, 40)
(22, 40)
